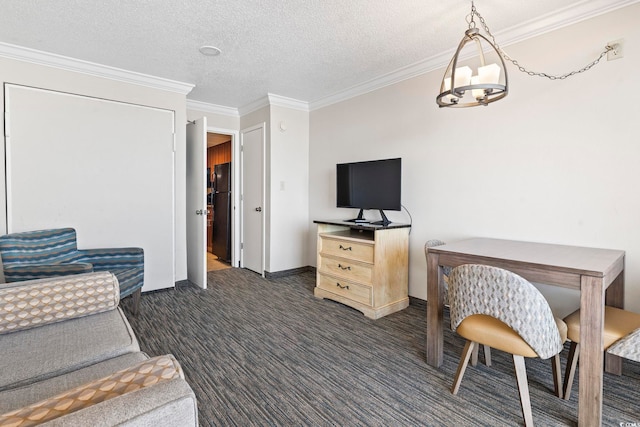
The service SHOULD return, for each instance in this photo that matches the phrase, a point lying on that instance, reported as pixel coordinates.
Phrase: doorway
(220, 201)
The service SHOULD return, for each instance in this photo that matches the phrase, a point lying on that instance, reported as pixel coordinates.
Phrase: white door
(197, 202)
(252, 158)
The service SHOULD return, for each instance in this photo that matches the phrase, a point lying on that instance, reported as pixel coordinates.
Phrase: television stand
(360, 217)
(384, 221)
(365, 267)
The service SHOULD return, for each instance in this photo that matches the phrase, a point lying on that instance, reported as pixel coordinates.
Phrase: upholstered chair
(54, 252)
(446, 271)
(621, 336)
(500, 309)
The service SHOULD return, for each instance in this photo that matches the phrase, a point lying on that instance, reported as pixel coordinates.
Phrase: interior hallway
(213, 263)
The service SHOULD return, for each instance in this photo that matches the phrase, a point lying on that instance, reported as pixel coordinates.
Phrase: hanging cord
(472, 24)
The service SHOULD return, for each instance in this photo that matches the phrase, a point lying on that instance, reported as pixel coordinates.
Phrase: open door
(196, 202)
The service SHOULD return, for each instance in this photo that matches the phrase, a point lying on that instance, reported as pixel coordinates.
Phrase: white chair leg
(523, 389)
(572, 362)
(487, 355)
(462, 366)
(556, 369)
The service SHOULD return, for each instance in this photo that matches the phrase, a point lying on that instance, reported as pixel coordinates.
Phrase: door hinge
(241, 245)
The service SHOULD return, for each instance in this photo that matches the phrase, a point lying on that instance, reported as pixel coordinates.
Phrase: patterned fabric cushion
(39, 247)
(22, 272)
(481, 289)
(627, 347)
(112, 258)
(144, 374)
(28, 304)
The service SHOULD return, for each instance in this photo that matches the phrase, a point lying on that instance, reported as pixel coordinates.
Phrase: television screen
(373, 184)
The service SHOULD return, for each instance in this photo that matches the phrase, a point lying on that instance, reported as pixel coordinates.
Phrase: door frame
(263, 127)
(235, 190)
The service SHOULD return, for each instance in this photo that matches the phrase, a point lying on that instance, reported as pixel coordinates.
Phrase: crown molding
(283, 101)
(254, 106)
(564, 17)
(34, 56)
(212, 108)
(277, 100)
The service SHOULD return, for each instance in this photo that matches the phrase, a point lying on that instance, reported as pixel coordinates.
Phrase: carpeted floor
(268, 353)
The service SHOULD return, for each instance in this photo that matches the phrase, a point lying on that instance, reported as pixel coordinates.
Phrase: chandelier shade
(468, 80)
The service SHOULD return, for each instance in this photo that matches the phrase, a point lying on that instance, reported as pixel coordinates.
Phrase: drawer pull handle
(344, 268)
(345, 249)
(342, 287)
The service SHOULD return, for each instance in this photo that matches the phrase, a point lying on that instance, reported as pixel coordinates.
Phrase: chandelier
(477, 75)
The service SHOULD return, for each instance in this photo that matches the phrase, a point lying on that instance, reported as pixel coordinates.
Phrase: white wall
(289, 186)
(29, 74)
(555, 161)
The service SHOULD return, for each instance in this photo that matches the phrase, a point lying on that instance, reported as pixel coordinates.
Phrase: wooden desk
(594, 272)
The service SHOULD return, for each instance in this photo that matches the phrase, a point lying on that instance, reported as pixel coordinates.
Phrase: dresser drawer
(346, 268)
(347, 249)
(351, 290)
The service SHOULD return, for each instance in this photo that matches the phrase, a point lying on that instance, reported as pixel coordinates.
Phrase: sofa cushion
(25, 305)
(144, 374)
(29, 394)
(170, 403)
(47, 351)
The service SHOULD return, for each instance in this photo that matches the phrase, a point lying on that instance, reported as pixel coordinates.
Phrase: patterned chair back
(627, 347)
(481, 289)
(39, 247)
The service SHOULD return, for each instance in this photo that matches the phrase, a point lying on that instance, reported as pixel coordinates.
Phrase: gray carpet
(268, 353)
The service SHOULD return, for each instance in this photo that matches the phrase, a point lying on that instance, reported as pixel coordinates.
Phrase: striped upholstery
(50, 253)
(126, 263)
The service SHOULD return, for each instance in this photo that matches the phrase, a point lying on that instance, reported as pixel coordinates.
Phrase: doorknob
(258, 209)
(202, 212)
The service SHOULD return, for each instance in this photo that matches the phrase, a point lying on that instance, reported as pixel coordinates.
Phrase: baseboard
(291, 272)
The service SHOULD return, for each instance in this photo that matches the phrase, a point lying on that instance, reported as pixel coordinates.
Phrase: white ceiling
(307, 50)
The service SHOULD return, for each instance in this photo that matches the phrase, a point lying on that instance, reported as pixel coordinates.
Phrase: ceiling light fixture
(461, 88)
(210, 51)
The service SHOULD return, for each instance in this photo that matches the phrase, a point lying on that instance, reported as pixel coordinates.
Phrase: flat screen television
(374, 184)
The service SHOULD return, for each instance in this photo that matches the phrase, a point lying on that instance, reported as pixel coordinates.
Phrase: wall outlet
(618, 50)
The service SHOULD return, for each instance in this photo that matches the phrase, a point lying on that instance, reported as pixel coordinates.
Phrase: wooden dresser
(364, 266)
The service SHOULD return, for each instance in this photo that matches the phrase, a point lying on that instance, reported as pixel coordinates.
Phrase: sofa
(69, 357)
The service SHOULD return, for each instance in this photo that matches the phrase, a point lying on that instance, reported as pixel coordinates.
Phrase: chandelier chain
(522, 68)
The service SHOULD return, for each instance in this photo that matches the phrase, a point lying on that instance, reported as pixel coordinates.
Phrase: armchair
(54, 252)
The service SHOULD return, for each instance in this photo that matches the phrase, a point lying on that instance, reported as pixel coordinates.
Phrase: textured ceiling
(305, 49)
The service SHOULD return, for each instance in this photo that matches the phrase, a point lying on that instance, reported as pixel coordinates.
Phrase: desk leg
(435, 303)
(614, 298)
(591, 351)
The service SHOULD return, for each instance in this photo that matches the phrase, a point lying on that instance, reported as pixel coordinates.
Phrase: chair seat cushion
(71, 345)
(618, 323)
(490, 331)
